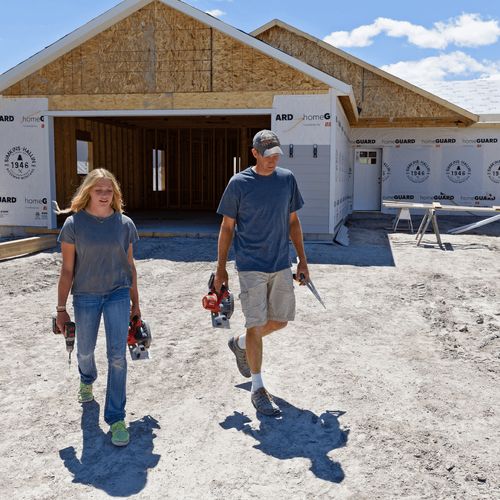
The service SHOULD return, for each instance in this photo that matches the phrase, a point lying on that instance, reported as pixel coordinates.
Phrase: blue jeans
(88, 311)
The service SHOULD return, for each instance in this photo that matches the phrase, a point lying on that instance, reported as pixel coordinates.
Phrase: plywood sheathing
(154, 59)
(382, 102)
(246, 99)
(175, 100)
(110, 101)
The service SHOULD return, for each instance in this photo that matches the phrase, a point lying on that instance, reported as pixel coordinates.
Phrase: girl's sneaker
(119, 434)
(85, 393)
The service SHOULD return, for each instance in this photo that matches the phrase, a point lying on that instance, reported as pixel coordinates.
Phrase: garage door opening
(163, 164)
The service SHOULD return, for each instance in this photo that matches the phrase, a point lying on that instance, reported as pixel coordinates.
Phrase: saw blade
(311, 287)
(220, 320)
(138, 352)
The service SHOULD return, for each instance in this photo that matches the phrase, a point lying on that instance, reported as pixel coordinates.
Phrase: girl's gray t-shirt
(101, 246)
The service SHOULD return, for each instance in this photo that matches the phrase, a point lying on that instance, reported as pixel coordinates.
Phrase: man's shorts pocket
(254, 305)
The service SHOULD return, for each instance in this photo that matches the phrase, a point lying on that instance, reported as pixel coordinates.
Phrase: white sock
(242, 341)
(257, 382)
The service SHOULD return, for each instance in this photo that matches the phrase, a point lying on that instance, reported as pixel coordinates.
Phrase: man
(261, 204)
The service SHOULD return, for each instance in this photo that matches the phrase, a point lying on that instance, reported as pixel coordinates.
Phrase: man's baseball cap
(267, 143)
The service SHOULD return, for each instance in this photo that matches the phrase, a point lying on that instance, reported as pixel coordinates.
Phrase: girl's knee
(117, 360)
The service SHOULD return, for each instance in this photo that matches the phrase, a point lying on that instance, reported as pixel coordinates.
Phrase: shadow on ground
(368, 235)
(296, 433)
(117, 471)
(368, 247)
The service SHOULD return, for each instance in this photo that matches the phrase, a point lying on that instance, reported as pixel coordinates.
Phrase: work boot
(263, 402)
(119, 434)
(241, 357)
(85, 393)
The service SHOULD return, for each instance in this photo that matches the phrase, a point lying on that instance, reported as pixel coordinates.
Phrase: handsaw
(311, 287)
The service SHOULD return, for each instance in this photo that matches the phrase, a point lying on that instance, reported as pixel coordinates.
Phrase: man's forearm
(298, 240)
(224, 244)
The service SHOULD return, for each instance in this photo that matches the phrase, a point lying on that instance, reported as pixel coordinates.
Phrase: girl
(98, 266)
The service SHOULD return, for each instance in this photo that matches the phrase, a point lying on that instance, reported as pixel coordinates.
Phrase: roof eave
(488, 120)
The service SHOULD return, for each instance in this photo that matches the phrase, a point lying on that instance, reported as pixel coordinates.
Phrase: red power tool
(139, 339)
(69, 335)
(220, 305)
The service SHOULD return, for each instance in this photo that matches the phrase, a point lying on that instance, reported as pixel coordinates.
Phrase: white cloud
(467, 30)
(216, 12)
(457, 65)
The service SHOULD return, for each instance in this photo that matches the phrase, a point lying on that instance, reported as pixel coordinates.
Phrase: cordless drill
(69, 333)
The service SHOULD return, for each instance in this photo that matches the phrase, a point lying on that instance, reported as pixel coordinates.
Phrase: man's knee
(255, 331)
(272, 326)
(277, 325)
(263, 330)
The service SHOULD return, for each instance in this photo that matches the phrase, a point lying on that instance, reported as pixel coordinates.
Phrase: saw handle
(211, 287)
(301, 280)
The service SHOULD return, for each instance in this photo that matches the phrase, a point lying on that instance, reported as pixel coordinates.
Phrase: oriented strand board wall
(158, 52)
(237, 67)
(379, 98)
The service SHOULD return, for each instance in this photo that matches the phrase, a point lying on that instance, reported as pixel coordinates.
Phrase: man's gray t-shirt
(101, 246)
(261, 205)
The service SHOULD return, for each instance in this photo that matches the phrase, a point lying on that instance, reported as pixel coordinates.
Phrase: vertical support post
(51, 216)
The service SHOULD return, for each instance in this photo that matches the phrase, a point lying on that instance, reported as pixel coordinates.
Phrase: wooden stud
(9, 249)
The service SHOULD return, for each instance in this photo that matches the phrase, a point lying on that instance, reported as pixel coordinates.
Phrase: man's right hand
(221, 278)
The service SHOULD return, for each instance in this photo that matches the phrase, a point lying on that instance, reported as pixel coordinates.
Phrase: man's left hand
(302, 270)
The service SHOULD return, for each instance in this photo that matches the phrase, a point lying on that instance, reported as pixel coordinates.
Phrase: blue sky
(418, 41)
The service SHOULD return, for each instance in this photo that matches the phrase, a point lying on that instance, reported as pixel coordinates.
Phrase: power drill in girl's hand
(69, 335)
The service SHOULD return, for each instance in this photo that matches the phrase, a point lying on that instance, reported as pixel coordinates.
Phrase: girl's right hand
(62, 318)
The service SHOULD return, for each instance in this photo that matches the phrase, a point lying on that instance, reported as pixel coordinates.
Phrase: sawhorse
(403, 214)
(430, 216)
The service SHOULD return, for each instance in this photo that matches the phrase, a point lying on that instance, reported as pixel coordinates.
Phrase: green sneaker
(85, 393)
(119, 434)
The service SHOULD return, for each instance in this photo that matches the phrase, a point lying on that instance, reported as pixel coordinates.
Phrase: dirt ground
(392, 392)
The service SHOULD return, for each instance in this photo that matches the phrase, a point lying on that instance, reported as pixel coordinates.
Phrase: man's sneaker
(85, 393)
(241, 357)
(263, 402)
(119, 434)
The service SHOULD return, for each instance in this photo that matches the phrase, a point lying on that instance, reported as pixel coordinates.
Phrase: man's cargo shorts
(267, 296)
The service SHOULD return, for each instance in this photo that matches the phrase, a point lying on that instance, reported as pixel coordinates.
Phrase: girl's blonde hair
(81, 197)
